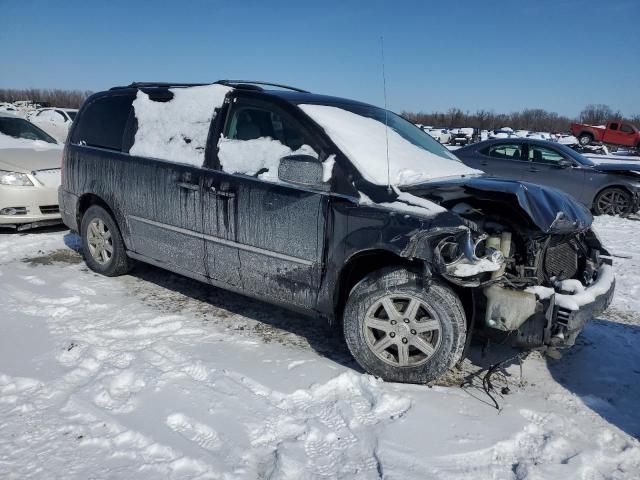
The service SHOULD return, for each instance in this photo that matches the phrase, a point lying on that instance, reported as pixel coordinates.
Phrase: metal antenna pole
(386, 113)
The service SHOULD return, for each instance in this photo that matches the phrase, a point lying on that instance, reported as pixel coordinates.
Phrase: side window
(256, 138)
(103, 122)
(613, 126)
(543, 155)
(506, 151)
(626, 128)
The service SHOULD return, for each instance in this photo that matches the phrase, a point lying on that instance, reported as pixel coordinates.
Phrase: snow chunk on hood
(406, 203)
(364, 141)
(259, 156)
(7, 141)
(177, 130)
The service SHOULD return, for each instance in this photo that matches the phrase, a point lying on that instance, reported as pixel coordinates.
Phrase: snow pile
(177, 130)
(259, 156)
(158, 376)
(619, 236)
(364, 142)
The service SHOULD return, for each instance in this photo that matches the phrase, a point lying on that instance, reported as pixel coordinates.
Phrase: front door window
(256, 138)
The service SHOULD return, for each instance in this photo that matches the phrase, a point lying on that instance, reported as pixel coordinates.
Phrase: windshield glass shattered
(360, 132)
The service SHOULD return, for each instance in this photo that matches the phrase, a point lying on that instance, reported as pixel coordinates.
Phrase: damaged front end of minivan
(537, 269)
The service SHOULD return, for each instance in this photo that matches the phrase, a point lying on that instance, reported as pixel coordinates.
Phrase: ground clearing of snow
(152, 375)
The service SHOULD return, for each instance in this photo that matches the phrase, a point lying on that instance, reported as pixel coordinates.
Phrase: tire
(613, 201)
(102, 246)
(432, 340)
(585, 139)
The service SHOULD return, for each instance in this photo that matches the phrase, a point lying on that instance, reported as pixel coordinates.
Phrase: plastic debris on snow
(177, 130)
(364, 141)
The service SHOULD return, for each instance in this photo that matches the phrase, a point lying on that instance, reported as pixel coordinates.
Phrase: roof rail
(248, 84)
(158, 84)
(232, 83)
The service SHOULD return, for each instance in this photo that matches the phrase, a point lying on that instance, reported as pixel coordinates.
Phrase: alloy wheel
(402, 330)
(99, 241)
(613, 202)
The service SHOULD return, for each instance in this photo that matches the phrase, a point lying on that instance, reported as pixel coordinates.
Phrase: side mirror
(565, 164)
(303, 170)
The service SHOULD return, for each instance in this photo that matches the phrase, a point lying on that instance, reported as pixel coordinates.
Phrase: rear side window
(103, 122)
(505, 151)
(626, 128)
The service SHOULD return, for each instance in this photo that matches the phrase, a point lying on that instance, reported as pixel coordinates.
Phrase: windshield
(360, 132)
(20, 128)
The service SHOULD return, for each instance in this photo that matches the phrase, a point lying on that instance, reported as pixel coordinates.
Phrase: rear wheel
(613, 201)
(403, 331)
(585, 139)
(102, 245)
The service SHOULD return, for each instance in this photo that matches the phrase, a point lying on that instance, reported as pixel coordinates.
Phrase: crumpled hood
(26, 160)
(550, 210)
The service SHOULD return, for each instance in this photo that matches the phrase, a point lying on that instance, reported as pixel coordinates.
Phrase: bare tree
(597, 114)
(46, 97)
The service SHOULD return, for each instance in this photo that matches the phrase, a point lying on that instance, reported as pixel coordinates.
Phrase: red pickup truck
(615, 133)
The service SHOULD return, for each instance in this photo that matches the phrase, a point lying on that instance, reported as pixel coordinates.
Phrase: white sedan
(55, 121)
(30, 161)
(442, 135)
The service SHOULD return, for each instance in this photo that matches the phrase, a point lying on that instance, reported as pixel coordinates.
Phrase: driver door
(545, 168)
(270, 232)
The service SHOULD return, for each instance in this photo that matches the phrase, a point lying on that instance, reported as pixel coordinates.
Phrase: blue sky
(559, 55)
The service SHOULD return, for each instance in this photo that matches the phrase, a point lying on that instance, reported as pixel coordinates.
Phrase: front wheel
(613, 201)
(585, 139)
(401, 330)
(102, 245)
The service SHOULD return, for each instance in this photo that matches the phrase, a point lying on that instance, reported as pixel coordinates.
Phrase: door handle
(222, 193)
(534, 170)
(484, 164)
(188, 186)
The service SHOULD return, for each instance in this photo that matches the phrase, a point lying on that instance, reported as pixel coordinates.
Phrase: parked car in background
(566, 139)
(606, 188)
(613, 133)
(541, 136)
(461, 136)
(442, 135)
(334, 208)
(55, 121)
(502, 133)
(29, 174)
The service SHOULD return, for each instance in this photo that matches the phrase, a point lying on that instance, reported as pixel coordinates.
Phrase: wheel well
(586, 132)
(87, 200)
(361, 265)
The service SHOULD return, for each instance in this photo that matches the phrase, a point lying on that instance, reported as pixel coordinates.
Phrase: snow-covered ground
(152, 375)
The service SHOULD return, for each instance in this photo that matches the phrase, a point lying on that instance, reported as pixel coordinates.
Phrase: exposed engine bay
(538, 287)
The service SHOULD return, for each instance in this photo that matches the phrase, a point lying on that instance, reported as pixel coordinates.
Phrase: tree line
(46, 97)
(535, 119)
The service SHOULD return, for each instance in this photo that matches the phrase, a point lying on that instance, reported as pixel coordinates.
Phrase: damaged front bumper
(545, 316)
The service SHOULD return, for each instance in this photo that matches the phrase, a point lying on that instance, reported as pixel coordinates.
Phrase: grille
(561, 261)
(49, 209)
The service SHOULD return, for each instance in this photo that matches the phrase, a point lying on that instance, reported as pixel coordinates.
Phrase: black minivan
(336, 209)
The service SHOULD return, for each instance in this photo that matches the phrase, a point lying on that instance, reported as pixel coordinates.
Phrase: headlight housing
(15, 179)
